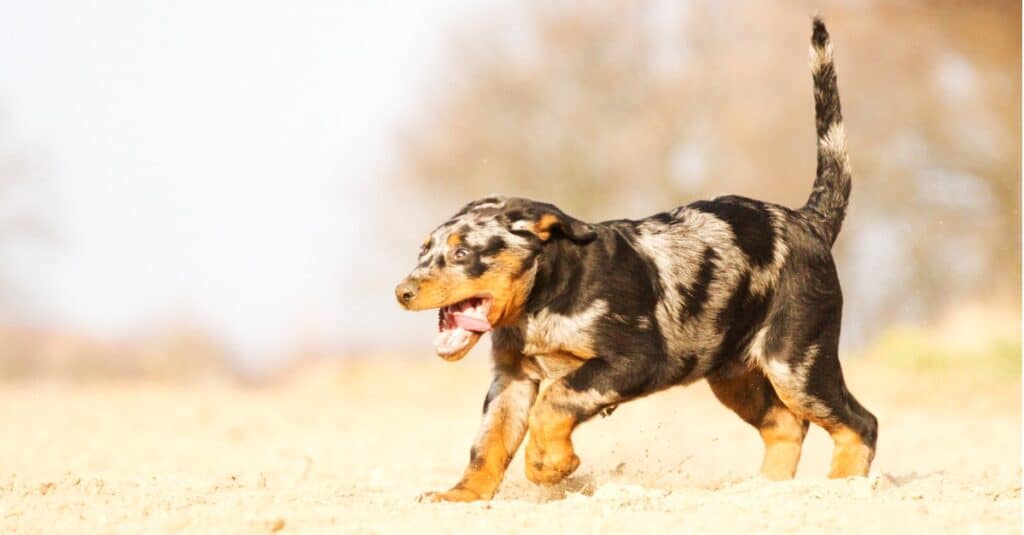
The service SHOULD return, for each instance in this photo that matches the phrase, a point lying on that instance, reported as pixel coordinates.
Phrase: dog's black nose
(406, 292)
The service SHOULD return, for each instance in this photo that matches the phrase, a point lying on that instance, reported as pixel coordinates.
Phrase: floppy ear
(551, 220)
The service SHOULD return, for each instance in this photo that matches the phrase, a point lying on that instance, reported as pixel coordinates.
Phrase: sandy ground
(347, 448)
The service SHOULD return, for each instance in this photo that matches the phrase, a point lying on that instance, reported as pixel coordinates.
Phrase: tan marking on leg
(455, 494)
(783, 434)
(501, 433)
(550, 457)
(851, 456)
(485, 474)
(481, 478)
(750, 395)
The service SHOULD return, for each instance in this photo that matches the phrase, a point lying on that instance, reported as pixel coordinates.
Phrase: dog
(586, 316)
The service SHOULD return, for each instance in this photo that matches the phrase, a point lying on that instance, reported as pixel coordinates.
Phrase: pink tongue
(471, 323)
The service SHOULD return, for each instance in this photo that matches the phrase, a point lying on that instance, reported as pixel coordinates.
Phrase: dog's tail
(827, 204)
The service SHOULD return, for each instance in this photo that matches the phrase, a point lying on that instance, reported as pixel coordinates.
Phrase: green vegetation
(922, 350)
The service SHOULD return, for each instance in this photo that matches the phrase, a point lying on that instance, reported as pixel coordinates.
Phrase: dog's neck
(557, 275)
(553, 304)
(560, 267)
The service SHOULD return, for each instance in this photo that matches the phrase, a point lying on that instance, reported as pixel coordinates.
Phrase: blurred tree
(622, 108)
(23, 221)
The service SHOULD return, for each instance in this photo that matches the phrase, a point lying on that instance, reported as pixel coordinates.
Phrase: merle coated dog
(585, 316)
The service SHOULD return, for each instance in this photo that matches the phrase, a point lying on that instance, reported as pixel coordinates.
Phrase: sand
(346, 448)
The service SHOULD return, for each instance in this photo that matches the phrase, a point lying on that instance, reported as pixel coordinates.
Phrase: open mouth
(460, 325)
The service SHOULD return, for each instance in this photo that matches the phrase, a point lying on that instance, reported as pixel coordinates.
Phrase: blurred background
(194, 190)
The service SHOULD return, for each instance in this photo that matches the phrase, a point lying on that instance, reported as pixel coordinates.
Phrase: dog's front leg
(550, 457)
(506, 409)
(593, 387)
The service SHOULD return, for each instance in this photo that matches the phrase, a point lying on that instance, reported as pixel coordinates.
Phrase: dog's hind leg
(810, 382)
(747, 391)
(504, 423)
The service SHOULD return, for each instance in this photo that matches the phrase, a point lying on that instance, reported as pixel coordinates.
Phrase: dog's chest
(546, 332)
(555, 344)
(550, 367)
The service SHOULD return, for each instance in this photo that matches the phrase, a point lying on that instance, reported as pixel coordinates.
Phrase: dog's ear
(557, 222)
(545, 220)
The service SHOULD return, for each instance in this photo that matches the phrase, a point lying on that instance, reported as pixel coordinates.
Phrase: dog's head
(478, 267)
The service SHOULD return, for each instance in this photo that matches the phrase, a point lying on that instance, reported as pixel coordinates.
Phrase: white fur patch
(764, 278)
(780, 371)
(549, 332)
(510, 404)
(756, 351)
(790, 383)
(834, 141)
(820, 57)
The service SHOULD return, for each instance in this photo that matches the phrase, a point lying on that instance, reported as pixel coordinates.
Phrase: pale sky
(204, 159)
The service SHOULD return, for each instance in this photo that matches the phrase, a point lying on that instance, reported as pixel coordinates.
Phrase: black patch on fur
(678, 373)
(661, 217)
(750, 222)
(559, 285)
(515, 215)
(489, 397)
(696, 295)
(744, 313)
(819, 35)
(476, 461)
(527, 262)
(476, 267)
(494, 245)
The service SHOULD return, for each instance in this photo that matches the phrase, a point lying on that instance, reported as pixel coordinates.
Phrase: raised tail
(826, 206)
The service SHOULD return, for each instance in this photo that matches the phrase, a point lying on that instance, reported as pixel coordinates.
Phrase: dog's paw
(456, 494)
(549, 470)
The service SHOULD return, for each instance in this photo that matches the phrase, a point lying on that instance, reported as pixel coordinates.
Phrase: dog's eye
(460, 253)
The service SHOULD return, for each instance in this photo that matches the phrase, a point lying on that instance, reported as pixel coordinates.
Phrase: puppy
(585, 316)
